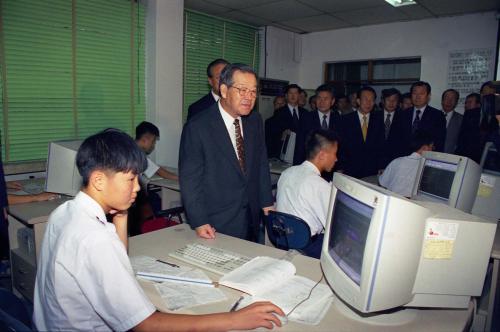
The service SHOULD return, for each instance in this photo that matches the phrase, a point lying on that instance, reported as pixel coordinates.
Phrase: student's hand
(45, 197)
(205, 231)
(258, 314)
(267, 209)
(118, 216)
(14, 185)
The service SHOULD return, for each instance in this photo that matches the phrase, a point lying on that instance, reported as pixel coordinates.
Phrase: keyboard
(215, 260)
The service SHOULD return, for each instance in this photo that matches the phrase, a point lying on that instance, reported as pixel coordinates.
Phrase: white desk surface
(158, 244)
(36, 212)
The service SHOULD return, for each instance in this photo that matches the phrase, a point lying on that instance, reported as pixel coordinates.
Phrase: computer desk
(495, 255)
(158, 244)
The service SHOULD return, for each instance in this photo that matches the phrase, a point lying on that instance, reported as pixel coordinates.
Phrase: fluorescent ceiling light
(399, 3)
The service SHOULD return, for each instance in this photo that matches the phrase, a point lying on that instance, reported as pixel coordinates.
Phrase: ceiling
(304, 16)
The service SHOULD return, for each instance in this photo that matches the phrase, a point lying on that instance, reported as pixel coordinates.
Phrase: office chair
(14, 315)
(286, 231)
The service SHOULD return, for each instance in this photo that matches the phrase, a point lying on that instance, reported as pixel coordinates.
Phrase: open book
(266, 278)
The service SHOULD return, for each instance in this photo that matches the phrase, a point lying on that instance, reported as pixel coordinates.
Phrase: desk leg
(493, 292)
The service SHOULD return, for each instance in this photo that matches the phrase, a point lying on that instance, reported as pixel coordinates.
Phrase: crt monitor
(288, 147)
(62, 174)
(449, 179)
(382, 251)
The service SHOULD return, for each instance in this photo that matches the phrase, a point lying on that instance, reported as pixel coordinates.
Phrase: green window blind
(207, 38)
(69, 69)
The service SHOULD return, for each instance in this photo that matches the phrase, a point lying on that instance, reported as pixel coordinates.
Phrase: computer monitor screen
(349, 229)
(62, 174)
(437, 178)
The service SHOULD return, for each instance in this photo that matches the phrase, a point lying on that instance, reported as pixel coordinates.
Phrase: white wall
(432, 39)
(164, 65)
(280, 63)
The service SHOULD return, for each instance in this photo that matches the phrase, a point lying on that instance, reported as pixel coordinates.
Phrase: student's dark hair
(317, 140)
(476, 96)
(226, 76)
(109, 150)
(325, 88)
(455, 92)
(341, 96)
(146, 128)
(426, 85)
(292, 86)
(406, 95)
(421, 138)
(366, 88)
(312, 98)
(214, 63)
(488, 84)
(391, 92)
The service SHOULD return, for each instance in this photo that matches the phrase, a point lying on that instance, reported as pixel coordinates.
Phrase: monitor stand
(400, 316)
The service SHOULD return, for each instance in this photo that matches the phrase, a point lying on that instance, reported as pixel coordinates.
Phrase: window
(207, 38)
(68, 70)
(349, 76)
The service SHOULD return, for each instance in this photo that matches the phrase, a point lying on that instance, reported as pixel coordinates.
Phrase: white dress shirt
(391, 115)
(360, 116)
(216, 96)
(151, 170)
(422, 110)
(229, 122)
(84, 280)
(290, 108)
(448, 116)
(401, 174)
(327, 119)
(302, 192)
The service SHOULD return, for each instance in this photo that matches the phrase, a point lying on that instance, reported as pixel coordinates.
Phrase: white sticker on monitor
(439, 239)
(486, 184)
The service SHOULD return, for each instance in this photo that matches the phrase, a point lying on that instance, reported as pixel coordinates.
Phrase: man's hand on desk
(14, 185)
(205, 231)
(258, 314)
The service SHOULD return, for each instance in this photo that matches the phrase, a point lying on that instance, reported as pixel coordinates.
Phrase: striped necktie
(239, 144)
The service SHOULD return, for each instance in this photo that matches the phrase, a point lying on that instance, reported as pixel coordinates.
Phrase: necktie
(416, 122)
(387, 125)
(295, 119)
(324, 125)
(239, 144)
(364, 127)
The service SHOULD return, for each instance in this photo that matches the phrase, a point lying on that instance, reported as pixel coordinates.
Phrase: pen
(171, 264)
(185, 280)
(235, 305)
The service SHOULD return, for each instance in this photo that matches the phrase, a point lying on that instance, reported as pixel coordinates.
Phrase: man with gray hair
(223, 168)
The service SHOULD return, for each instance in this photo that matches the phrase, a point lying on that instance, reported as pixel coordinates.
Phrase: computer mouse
(283, 319)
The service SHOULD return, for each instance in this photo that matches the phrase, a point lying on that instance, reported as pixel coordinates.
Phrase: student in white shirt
(400, 175)
(85, 280)
(302, 191)
(146, 135)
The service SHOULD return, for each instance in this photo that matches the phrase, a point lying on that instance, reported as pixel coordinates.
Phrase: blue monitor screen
(348, 231)
(437, 178)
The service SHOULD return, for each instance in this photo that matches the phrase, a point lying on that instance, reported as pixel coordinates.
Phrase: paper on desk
(291, 293)
(151, 265)
(180, 296)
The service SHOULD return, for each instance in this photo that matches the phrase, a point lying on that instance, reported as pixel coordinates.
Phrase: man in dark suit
(424, 117)
(223, 168)
(288, 117)
(323, 118)
(393, 124)
(469, 138)
(449, 100)
(214, 69)
(362, 138)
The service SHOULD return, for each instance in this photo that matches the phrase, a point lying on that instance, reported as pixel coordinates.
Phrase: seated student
(146, 135)
(302, 191)
(400, 175)
(85, 280)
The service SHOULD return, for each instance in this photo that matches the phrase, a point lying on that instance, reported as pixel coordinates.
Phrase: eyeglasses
(246, 91)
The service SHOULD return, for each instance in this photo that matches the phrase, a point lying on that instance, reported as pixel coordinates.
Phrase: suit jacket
(309, 122)
(395, 144)
(214, 189)
(201, 104)
(432, 121)
(452, 132)
(360, 158)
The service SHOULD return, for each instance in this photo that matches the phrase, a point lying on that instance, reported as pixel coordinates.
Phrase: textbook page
(149, 264)
(288, 295)
(259, 275)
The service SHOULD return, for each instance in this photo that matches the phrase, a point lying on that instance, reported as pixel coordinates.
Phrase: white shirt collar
(229, 120)
(388, 113)
(322, 114)
(360, 116)
(290, 107)
(91, 207)
(216, 96)
(311, 166)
